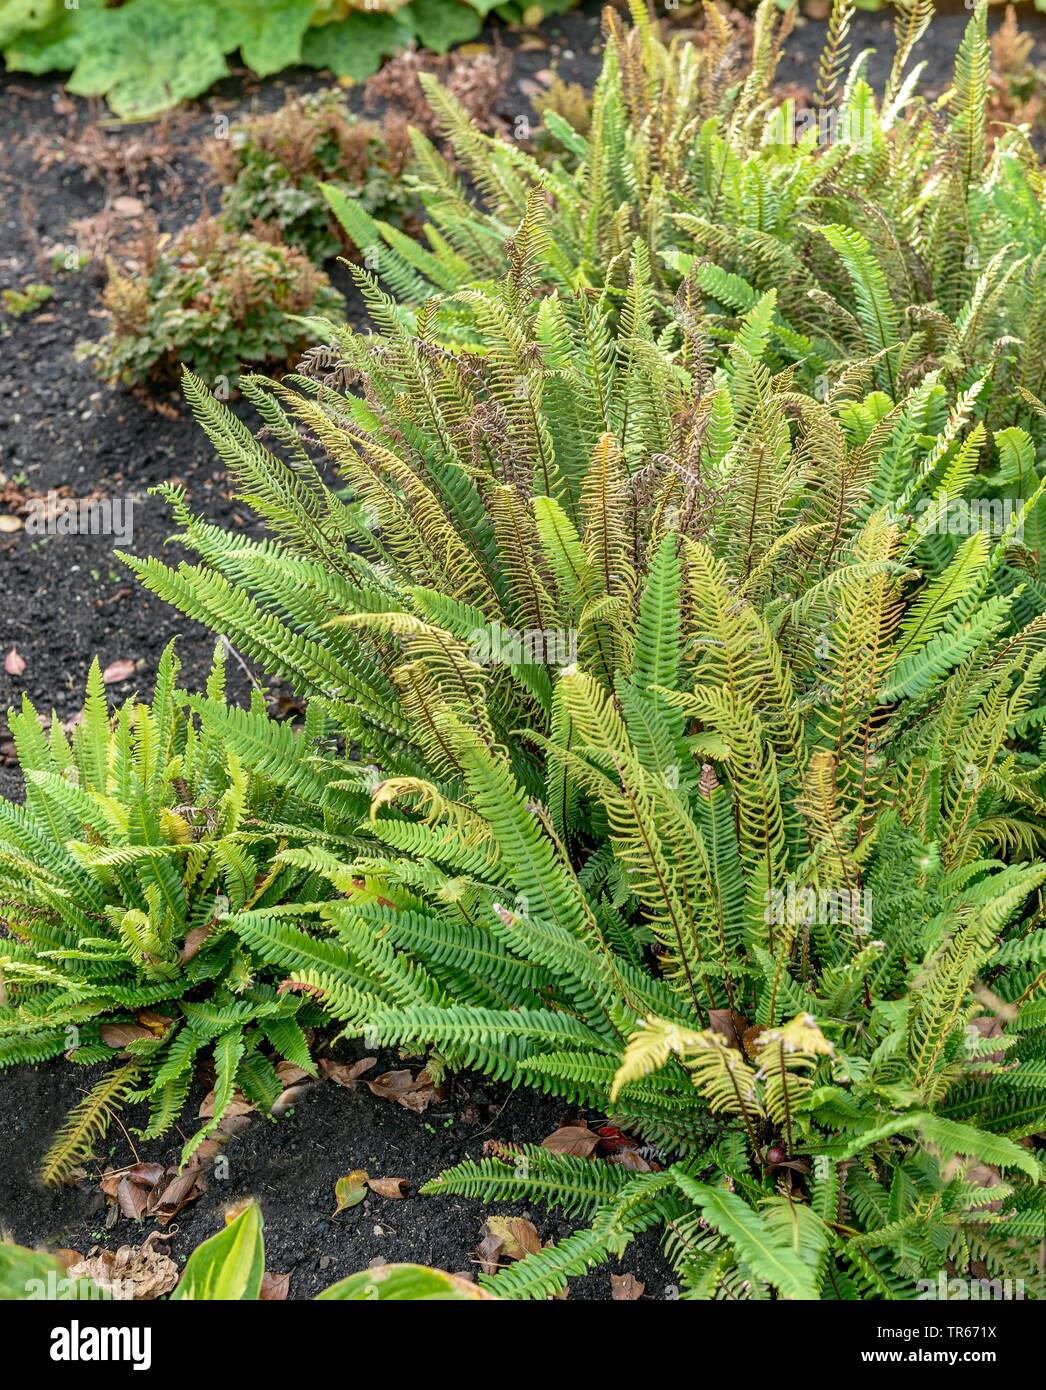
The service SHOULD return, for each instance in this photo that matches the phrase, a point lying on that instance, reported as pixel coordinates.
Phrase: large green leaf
(228, 1266)
(413, 1282)
(268, 33)
(33, 1275)
(355, 46)
(150, 54)
(50, 47)
(21, 16)
(439, 24)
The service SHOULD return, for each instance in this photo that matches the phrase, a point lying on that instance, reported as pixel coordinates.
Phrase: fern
(115, 882)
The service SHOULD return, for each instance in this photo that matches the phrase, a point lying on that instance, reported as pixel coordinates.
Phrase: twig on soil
(229, 648)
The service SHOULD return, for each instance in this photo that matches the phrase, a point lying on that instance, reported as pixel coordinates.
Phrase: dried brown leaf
(414, 1093)
(120, 1034)
(117, 671)
(626, 1288)
(578, 1140)
(274, 1287)
(517, 1235)
(388, 1187)
(346, 1074)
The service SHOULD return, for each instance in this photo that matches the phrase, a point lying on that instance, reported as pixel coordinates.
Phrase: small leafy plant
(19, 303)
(137, 844)
(213, 298)
(273, 164)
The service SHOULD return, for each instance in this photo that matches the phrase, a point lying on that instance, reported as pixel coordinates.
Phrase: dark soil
(64, 599)
(291, 1166)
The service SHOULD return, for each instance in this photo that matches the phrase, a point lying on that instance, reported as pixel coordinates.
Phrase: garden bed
(60, 425)
(291, 1166)
(64, 603)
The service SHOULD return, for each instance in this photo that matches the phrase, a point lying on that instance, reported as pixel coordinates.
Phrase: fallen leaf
(229, 1125)
(350, 1190)
(488, 1251)
(343, 1074)
(14, 662)
(239, 1105)
(287, 1099)
(120, 1034)
(145, 1175)
(175, 1192)
(414, 1093)
(612, 1141)
(157, 1024)
(126, 206)
(274, 1287)
(631, 1159)
(626, 1288)
(140, 1272)
(193, 941)
(388, 1187)
(132, 1198)
(290, 1072)
(518, 1236)
(578, 1140)
(728, 1023)
(118, 671)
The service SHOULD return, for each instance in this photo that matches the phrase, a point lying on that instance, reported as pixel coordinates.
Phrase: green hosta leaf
(32, 1274)
(21, 16)
(439, 24)
(414, 1282)
(53, 46)
(268, 33)
(150, 54)
(228, 1266)
(355, 47)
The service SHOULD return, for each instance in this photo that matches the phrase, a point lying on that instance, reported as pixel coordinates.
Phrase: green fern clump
(884, 223)
(138, 843)
(755, 874)
(703, 752)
